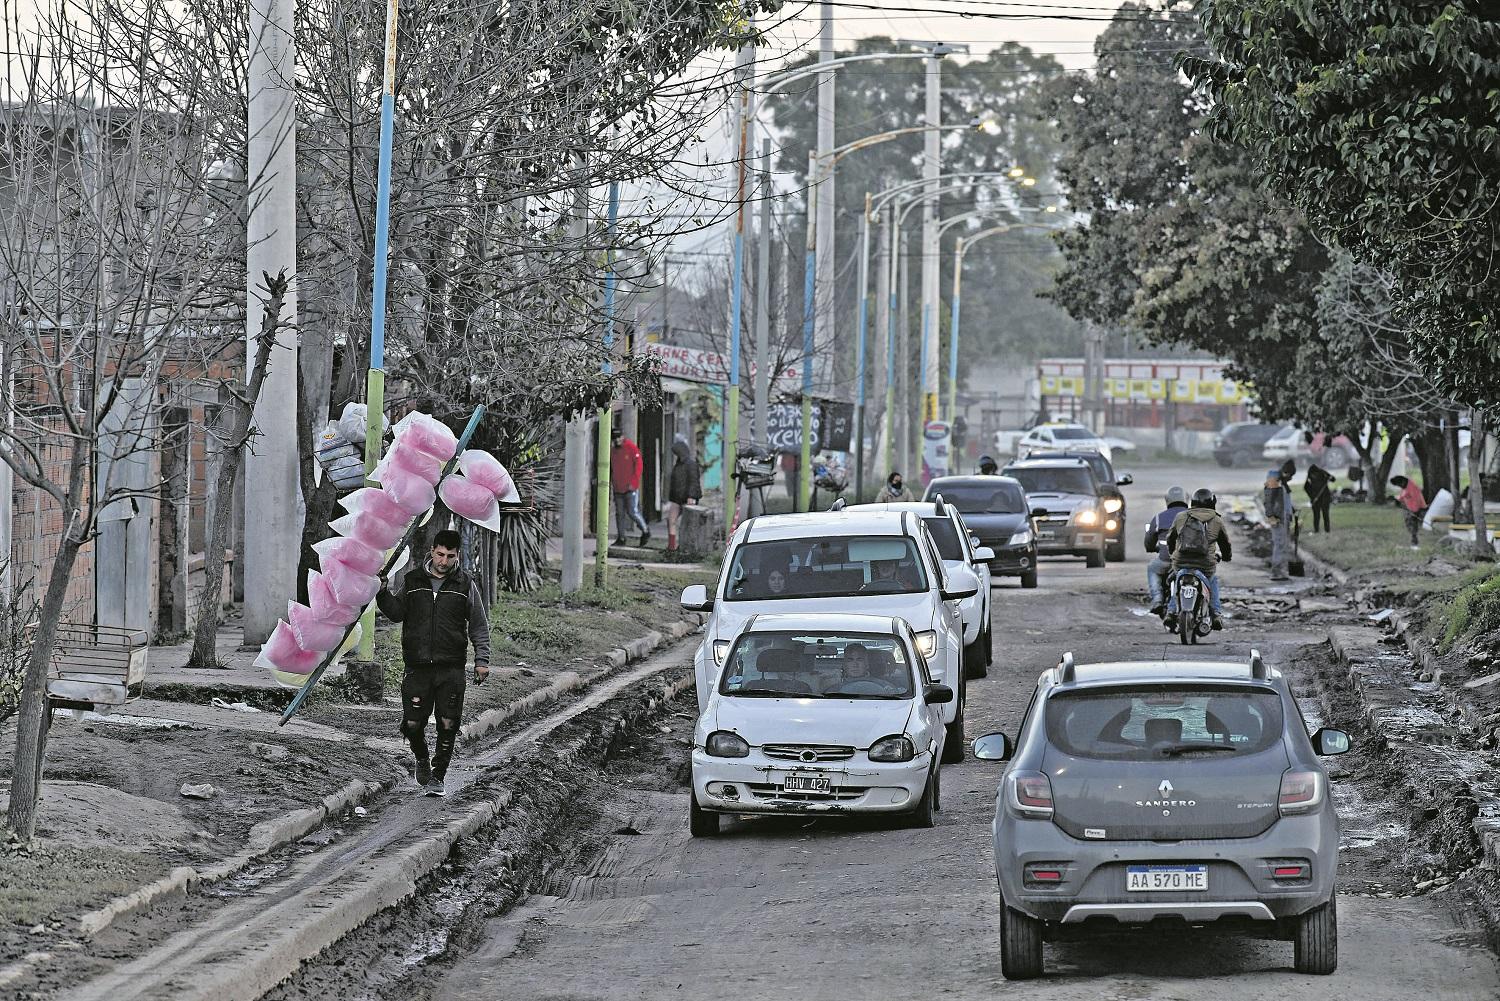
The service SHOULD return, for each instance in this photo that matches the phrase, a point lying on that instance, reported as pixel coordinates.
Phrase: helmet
(1204, 497)
(1176, 495)
(987, 462)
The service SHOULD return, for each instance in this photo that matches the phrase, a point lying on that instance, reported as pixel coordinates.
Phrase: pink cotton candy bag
(326, 605)
(411, 460)
(281, 653)
(410, 492)
(311, 632)
(486, 470)
(468, 499)
(376, 503)
(369, 530)
(350, 552)
(426, 434)
(348, 585)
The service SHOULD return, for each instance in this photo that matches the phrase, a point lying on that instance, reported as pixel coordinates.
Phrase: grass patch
(1370, 539)
(54, 879)
(1472, 610)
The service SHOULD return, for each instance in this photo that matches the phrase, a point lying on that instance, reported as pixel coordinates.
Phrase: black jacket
(438, 624)
(685, 482)
(1218, 538)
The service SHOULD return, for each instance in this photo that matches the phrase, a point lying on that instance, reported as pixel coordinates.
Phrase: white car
(959, 548)
(876, 562)
(825, 713)
(1066, 436)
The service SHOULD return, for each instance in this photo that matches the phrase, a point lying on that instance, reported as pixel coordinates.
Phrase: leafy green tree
(1377, 119)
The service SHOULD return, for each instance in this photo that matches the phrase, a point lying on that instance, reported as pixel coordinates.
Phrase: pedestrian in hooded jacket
(684, 486)
(1413, 505)
(1277, 501)
(895, 490)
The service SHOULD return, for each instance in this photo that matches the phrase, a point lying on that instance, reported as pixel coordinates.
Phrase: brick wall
(36, 529)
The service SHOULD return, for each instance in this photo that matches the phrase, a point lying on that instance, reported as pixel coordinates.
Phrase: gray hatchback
(1166, 791)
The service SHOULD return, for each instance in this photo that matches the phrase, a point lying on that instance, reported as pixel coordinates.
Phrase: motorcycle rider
(988, 466)
(1194, 536)
(1156, 544)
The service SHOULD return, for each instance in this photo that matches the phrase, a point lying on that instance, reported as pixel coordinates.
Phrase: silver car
(1167, 791)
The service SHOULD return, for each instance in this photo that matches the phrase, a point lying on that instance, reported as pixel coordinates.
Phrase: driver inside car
(885, 575)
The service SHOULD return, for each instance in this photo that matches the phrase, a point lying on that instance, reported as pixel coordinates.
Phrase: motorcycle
(1190, 587)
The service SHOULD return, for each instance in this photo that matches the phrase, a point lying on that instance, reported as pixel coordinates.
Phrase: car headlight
(721, 652)
(927, 643)
(897, 747)
(1087, 517)
(723, 744)
(1021, 538)
(1113, 504)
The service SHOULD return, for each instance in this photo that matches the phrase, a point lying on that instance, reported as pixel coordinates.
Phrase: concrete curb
(269, 835)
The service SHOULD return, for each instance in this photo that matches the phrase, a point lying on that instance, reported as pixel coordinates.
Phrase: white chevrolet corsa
(820, 714)
(869, 562)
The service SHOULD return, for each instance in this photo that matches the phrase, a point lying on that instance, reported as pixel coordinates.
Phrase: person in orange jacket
(1413, 505)
(625, 467)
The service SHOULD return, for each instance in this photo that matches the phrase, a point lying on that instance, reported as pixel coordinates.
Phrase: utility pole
(903, 325)
(576, 438)
(763, 300)
(809, 309)
(272, 487)
(743, 61)
(859, 361)
(606, 413)
(823, 332)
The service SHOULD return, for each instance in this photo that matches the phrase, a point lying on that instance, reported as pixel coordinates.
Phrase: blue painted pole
(809, 308)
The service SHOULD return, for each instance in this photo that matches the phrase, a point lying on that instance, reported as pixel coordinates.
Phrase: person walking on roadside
(1157, 530)
(625, 483)
(684, 486)
(1276, 498)
(895, 490)
(441, 613)
(1198, 540)
(988, 466)
(1319, 495)
(1413, 505)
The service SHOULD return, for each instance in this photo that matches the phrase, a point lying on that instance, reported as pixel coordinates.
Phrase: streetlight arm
(883, 198)
(856, 145)
(771, 84)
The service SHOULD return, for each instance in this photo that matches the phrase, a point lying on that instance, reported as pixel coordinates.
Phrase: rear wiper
(1174, 750)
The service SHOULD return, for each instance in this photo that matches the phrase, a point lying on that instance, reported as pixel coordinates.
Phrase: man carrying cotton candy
(441, 613)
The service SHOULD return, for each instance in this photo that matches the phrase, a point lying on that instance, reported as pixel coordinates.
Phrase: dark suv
(1239, 444)
(1185, 792)
(1109, 489)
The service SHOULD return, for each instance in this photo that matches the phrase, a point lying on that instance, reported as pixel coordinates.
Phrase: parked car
(877, 562)
(818, 714)
(995, 510)
(1108, 485)
(1291, 443)
(957, 549)
(1060, 434)
(1067, 512)
(1182, 790)
(1240, 443)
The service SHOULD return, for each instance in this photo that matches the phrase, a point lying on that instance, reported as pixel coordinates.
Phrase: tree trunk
(1432, 457)
(1383, 471)
(1477, 430)
(31, 723)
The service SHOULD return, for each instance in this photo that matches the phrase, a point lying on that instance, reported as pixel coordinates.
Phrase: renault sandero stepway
(874, 562)
(1168, 791)
(820, 714)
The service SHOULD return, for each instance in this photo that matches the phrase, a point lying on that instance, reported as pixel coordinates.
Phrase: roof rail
(838, 505)
(938, 504)
(1257, 666)
(1069, 672)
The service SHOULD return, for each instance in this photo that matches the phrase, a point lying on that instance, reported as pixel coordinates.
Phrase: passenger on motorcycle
(1156, 544)
(1195, 535)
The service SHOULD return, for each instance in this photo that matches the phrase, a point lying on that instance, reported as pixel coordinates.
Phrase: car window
(835, 567)
(981, 498)
(949, 544)
(1075, 434)
(938, 570)
(1151, 723)
(1055, 480)
(818, 666)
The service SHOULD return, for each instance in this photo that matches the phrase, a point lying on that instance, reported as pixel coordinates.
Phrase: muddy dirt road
(779, 909)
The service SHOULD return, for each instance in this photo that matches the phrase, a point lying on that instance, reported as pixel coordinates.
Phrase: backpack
(1193, 539)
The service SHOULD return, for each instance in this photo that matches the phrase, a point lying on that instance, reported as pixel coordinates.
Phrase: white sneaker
(435, 787)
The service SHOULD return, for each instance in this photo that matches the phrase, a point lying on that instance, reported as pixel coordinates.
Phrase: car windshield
(984, 498)
(1152, 723)
(829, 567)
(1054, 480)
(945, 534)
(1074, 434)
(818, 666)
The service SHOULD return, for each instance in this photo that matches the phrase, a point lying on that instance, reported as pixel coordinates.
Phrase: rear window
(977, 498)
(1149, 724)
(836, 567)
(818, 666)
(1074, 434)
(1055, 480)
(950, 546)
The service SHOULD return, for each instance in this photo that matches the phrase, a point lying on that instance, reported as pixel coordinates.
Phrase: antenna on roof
(838, 505)
(938, 503)
(1069, 674)
(1257, 666)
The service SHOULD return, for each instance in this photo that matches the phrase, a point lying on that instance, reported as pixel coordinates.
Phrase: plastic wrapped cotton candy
(351, 553)
(369, 530)
(311, 632)
(348, 585)
(282, 653)
(376, 503)
(411, 493)
(411, 461)
(486, 470)
(326, 605)
(426, 434)
(468, 499)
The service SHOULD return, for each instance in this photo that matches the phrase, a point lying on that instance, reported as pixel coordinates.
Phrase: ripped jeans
(428, 689)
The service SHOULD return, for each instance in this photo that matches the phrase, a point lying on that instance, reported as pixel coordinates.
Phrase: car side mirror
(984, 554)
(993, 747)
(695, 598)
(1124, 480)
(937, 695)
(1329, 741)
(962, 583)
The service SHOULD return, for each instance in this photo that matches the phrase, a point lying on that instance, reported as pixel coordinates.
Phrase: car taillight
(1301, 791)
(1043, 874)
(1031, 794)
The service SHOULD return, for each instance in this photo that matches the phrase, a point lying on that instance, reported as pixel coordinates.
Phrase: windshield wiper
(1175, 750)
(769, 693)
(854, 695)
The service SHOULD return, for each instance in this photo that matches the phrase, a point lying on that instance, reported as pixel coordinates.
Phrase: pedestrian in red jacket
(625, 483)
(1413, 504)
